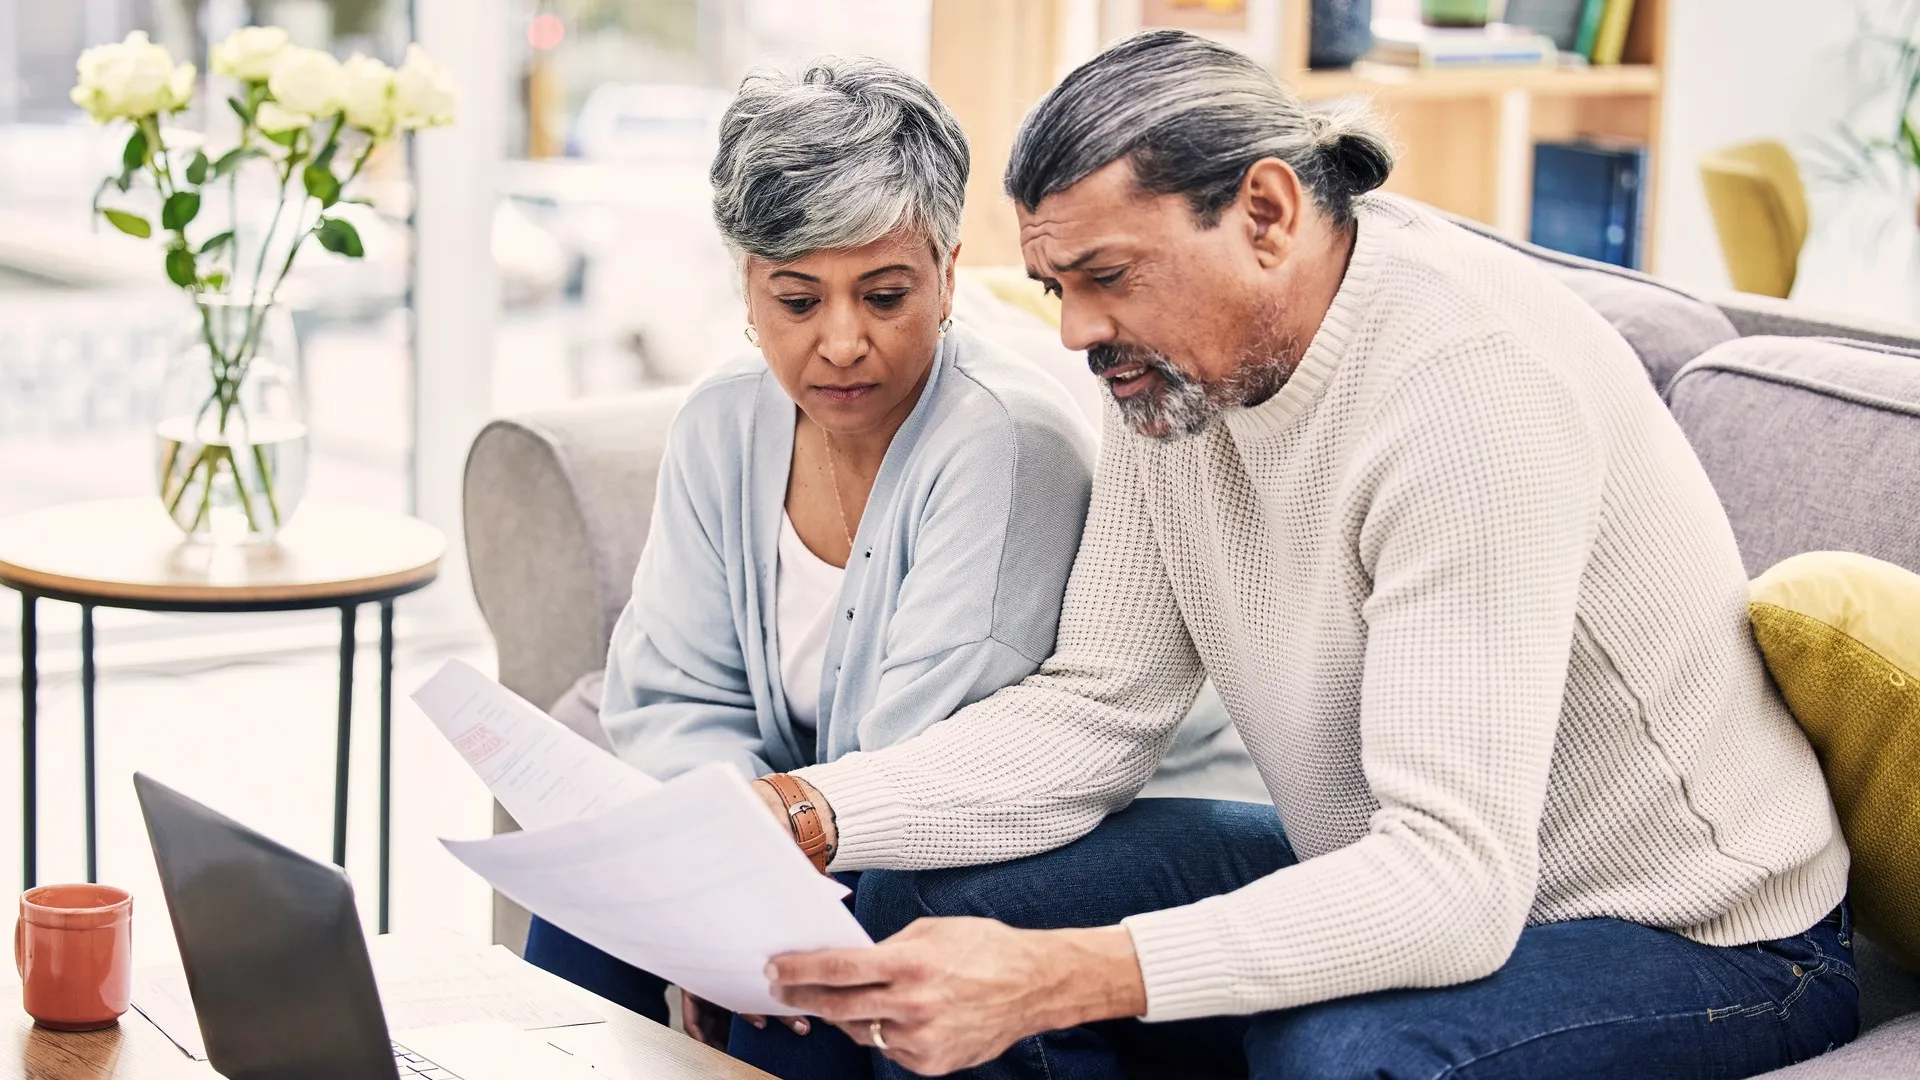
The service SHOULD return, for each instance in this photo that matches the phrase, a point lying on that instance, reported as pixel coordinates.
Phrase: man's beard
(1183, 406)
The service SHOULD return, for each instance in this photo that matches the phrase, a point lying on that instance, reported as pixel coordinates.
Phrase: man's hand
(951, 993)
(779, 809)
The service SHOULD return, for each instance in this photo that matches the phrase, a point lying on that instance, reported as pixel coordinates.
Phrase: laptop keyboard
(409, 1064)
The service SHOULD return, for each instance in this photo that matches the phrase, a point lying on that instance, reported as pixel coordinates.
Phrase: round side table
(125, 553)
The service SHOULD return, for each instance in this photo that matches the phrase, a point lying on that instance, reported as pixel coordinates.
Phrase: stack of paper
(542, 771)
(692, 879)
(1412, 44)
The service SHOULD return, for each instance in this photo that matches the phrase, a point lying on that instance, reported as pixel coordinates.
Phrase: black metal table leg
(86, 740)
(347, 613)
(386, 755)
(29, 735)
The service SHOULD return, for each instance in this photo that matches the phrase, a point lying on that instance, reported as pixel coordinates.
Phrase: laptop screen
(272, 947)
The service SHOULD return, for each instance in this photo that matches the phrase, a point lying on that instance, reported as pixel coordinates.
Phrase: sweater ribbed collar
(1309, 380)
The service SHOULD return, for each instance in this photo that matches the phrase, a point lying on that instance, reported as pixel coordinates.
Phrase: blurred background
(555, 244)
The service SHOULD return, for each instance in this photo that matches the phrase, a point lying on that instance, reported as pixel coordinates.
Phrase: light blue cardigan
(953, 591)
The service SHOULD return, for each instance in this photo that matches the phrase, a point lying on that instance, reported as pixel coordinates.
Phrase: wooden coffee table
(627, 1047)
(125, 553)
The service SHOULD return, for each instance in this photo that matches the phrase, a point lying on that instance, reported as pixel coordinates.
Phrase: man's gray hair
(1192, 116)
(834, 155)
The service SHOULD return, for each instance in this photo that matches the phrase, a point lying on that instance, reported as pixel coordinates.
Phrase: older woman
(870, 525)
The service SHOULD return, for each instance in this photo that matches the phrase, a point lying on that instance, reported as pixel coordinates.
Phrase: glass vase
(232, 434)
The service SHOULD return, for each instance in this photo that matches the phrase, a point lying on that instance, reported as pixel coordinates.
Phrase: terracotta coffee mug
(74, 948)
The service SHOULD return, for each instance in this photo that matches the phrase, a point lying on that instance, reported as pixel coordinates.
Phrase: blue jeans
(825, 1053)
(1597, 998)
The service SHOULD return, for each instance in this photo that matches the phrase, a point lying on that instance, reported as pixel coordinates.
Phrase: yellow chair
(1760, 210)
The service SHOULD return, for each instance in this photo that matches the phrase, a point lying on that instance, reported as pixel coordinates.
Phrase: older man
(1471, 602)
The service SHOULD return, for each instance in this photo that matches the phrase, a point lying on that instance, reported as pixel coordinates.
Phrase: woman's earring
(753, 336)
(945, 325)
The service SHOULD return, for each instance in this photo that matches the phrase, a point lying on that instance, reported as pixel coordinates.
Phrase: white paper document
(693, 881)
(542, 771)
(422, 984)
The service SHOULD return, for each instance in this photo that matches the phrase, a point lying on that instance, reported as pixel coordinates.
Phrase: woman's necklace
(833, 476)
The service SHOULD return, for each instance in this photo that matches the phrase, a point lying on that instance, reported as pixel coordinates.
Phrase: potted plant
(1875, 143)
(1862, 171)
(231, 433)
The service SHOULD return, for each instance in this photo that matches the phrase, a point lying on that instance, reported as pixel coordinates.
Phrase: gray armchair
(556, 510)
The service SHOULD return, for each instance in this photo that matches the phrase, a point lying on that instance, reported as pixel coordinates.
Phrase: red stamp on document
(479, 743)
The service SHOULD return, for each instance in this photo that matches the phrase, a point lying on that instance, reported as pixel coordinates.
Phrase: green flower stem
(266, 484)
(173, 498)
(166, 469)
(257, 309)
(240, 487)
(156, 153)
(209, 462)
(286, 177)
(300, 235)
(206, 465)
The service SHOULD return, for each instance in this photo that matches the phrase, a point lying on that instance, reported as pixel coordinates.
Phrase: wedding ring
(879, 1040)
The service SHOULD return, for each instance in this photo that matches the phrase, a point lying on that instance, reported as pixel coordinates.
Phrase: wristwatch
(805, 819)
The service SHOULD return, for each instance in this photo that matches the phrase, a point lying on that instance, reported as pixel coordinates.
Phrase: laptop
(278, 968)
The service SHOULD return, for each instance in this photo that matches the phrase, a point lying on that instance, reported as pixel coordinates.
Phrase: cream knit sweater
(1478, 616)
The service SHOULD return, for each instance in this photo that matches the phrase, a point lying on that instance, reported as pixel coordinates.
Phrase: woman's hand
(708, 1023)
(693, 1006)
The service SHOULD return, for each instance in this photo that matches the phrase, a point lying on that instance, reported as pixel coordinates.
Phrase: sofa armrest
(1756, 316)
(557, 506)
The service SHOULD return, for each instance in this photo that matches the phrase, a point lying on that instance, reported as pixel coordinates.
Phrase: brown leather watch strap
(805, 819)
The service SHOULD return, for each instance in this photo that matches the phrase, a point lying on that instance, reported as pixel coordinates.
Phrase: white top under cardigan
(1475, 609)
(959, 563)
(806, 598)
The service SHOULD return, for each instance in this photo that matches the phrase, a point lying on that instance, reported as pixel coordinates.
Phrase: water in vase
(236, 487)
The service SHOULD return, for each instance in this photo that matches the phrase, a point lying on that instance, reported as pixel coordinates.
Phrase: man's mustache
(1104, 358)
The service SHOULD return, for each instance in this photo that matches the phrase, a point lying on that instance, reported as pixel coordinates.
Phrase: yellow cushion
(1841, 634)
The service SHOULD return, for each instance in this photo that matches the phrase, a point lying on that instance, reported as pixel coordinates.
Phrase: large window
(613, 275)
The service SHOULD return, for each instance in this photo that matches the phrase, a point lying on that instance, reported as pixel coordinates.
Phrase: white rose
(249, 53)
(306, 82)
(130, 80)
(422, 93)
(367, 94)
(274, 120)
(180, 86)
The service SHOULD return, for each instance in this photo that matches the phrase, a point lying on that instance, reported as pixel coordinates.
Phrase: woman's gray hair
(1192, 116)
(835, 155)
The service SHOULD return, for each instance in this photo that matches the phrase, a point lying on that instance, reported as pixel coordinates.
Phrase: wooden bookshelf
(1401, 83)
(990, 61)
(1466, 137)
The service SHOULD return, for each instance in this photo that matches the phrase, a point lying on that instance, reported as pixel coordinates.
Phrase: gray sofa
(1809, 427)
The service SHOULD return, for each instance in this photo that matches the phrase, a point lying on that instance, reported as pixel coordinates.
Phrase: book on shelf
(1589, 199)
(1610, 42)
(1411, 44)
(1590, 15)
(1557, 19)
